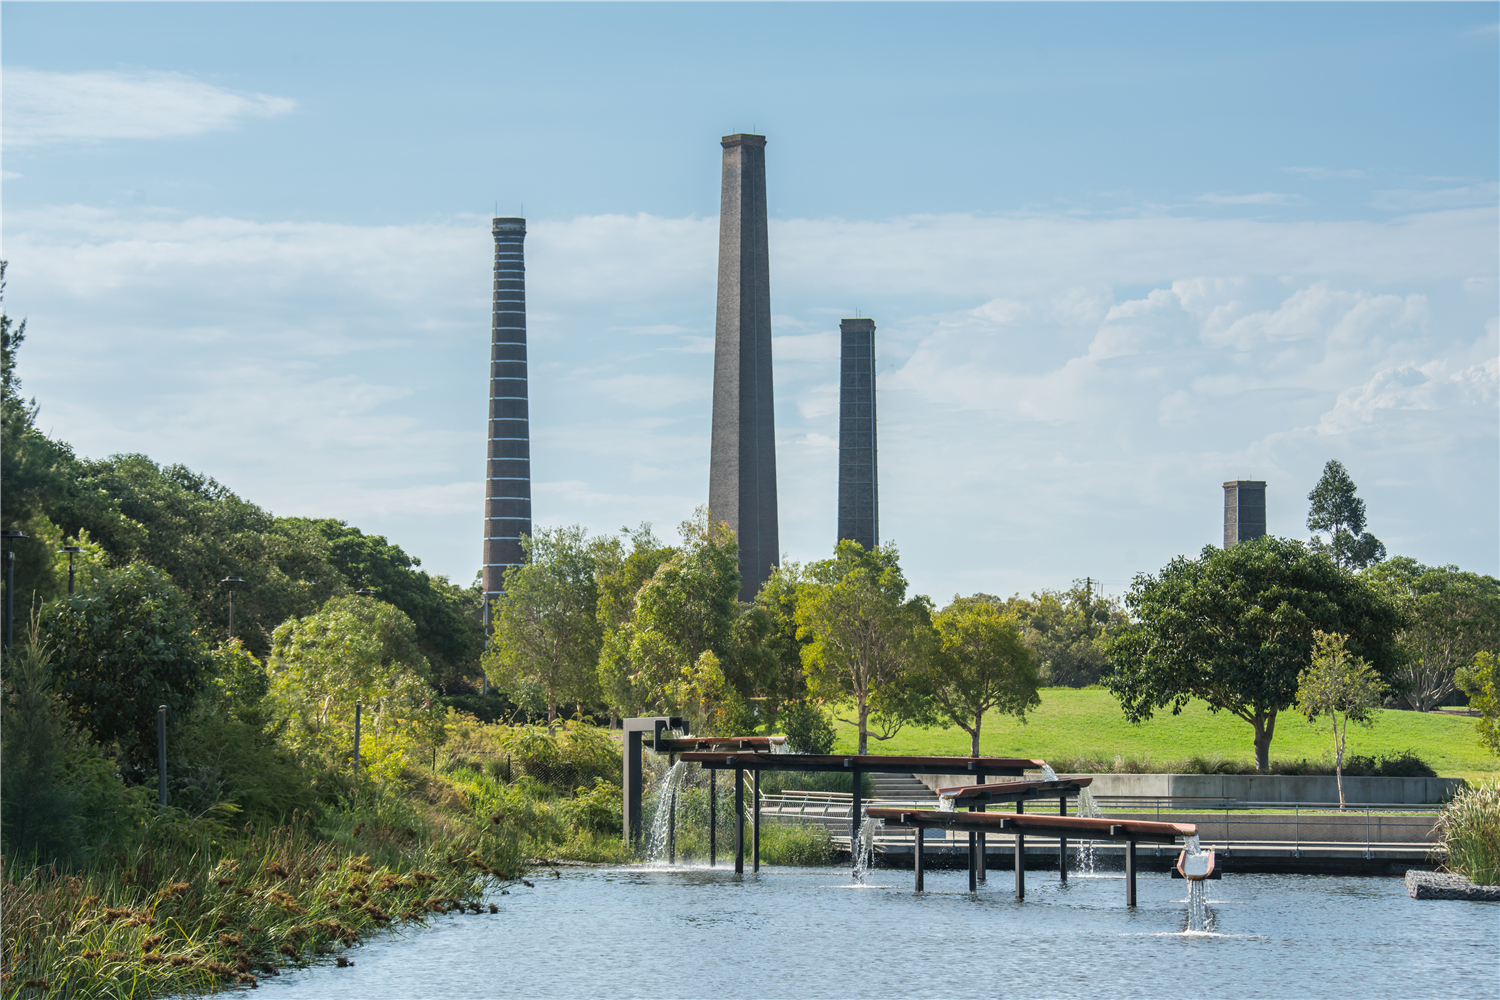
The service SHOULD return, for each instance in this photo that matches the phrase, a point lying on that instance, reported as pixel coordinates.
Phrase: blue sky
(1116, 254)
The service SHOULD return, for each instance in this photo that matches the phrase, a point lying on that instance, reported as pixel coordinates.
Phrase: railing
(1224, 823)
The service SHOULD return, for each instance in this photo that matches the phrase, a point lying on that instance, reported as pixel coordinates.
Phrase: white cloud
(42, 106)
(1060, 395)
(1261, 198)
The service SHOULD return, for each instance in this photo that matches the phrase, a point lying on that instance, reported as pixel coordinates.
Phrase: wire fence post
(358, 708)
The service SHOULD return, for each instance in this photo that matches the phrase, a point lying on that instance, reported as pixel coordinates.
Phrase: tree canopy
(1447, 616)
(545, 627)
(1235, 627)
(1342, 687)
(980, 664)
(1336, 509)
(865, 639)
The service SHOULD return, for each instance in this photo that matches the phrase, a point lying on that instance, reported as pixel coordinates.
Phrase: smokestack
(859, 495)
(742, 462)
(1244, 511)
(507, 496)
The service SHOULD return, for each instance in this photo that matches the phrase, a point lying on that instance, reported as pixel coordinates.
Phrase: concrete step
(901, 787)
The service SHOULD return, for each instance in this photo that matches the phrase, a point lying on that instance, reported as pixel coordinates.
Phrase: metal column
(739, 821)
(713, 815)
(1130, 872)
(755, 822)
(918, 858)
(1062, 842)
(161, 756)
(1020, 850)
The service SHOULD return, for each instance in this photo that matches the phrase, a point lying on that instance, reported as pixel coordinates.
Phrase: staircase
(903, 789)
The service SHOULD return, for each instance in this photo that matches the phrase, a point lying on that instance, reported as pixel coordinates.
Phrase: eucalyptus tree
(980, 664)
(1336, 510)
(1342, 687)
(866, 640)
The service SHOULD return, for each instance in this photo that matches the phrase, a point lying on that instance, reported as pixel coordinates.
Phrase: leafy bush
(807, 729)
(599, 809)
(1405, 764)
(575, 757)
(788, 844)
(120, 650)
(1469, 829)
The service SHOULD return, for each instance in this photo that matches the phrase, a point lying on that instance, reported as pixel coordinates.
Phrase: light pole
(233, 582)
(12, 536)
(71, 550)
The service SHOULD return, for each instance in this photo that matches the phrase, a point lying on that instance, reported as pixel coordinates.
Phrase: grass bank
(1077, 723)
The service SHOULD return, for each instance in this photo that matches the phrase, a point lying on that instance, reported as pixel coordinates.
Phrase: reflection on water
(702, 932)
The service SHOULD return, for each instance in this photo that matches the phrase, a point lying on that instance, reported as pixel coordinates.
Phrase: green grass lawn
(1074, 723)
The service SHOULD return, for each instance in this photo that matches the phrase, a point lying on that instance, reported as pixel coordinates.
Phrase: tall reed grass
(1469, 829)
(193, 907)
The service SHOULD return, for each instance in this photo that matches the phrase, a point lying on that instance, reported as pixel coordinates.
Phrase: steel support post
(713, 816)
(755, 824)
(973, 857)
(918, 858)
(856, 806)
(161, 755)
(633, 787)
(1130, 872)
(358, 710)
(1020, 851)
(739, 821)
(1062, 842)
(981, 842)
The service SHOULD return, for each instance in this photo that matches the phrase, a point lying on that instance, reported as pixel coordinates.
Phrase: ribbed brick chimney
(859, 494)
(507, 494)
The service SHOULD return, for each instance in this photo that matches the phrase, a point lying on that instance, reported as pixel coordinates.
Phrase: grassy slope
(1074, 722)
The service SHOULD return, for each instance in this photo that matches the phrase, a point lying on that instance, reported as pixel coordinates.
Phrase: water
(1200, 920)
(864, 858)
(1086, 807)
(657, 843)
(1048, 774)
(810, 932)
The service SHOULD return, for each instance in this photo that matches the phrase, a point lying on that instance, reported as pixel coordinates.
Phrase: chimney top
(743, 139)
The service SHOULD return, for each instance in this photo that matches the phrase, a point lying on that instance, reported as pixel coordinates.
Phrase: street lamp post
(71, 550)
(11, 536)
(233, 582)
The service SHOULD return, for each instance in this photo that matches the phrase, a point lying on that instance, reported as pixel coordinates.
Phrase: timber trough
(1132, 832)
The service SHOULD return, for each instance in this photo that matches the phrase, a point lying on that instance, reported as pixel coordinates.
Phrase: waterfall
(863, 849)
(1198, 915)
(782, 747)
(1048, 774)
(1086, 807)
(945, 802)
(656, 846)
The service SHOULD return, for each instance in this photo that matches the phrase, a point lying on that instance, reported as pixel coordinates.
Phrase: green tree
(121, 649)
(546, 632)
(865, 639)
(1235, 627)
(1068, 630)
(1336, 510)
(981, 664)
(686, 609)
(1447, 616)
(780, 680)
(620, 575)
(1341, 686)
(353, 649)
(1481, 682)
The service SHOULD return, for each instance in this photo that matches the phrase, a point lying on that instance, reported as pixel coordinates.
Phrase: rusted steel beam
(1015, 791)
(724, 743)
(1034, 824)
(865, 763)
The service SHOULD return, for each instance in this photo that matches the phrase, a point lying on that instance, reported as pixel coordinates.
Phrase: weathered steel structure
(859, 494)
(507, 485)
(742, 461)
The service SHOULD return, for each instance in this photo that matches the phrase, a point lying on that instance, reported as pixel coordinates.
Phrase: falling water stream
(864, 852)
(656, 846)
(1199, 919)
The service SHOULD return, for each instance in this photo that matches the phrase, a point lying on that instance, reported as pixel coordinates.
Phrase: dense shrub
(807, 728)
(1469, 829)
(787, 844)
(120, 650)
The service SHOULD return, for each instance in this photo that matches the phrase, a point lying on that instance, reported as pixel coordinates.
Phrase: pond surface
(814, 932)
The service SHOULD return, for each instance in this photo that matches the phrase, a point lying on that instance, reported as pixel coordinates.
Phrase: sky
(1116, 255)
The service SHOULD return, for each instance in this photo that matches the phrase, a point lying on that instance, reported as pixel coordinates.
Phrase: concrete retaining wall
(1253, 787)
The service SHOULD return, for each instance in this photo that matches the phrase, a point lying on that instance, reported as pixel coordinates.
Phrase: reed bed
(1469, 828)
(196, 909)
